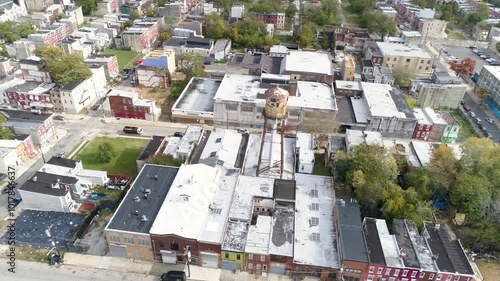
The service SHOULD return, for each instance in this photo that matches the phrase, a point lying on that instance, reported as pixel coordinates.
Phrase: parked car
(462, 102)
(178, 134)
(482, 128)
(243, 131)
(173, 275)
(472, 114)
(59, 117)
(477, 120)
(489, 120)
(61, 155)
(488, 135)
(132, 130)
(466, 108)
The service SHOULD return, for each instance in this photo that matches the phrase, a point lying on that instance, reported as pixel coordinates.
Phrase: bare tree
(321, 124)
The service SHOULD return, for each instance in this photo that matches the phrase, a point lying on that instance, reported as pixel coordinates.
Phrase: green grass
(123, 162)
(125, 57)
(456, 36)
(466, 130)
(74, 149)
(319, 168)
(354, 19)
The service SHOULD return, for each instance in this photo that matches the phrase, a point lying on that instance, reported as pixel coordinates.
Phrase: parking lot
(462, 52)
(479, 113)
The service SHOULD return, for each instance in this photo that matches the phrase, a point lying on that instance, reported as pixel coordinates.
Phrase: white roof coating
(278, 49)
(246, 189)
(306, 144)
(58, 170)
(307, 250)
(271, 156)
(252, 155)
(361, 110)
(92, 173)
(259, 236)
(198, 95)
(373, 138)
(235, 238)
(190, 139)
(379, 100)
(424, 254)
(357, 137)
(494, 70)
(395, 49)
(423, 150)
(172, 146)
(245, 88)
(435, 117)
(389, 245)
(214, 226)
(224, 144)
(186, 206)
(422, 118)
(312, 62)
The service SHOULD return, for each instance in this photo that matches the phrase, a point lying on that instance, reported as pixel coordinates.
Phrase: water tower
(274, 118)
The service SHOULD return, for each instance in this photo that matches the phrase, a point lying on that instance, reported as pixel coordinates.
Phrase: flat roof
(422, 250)
(128, 217)
(436, 118)
(404, 243)
(360, 109)
(315, 244)
(395, 49)
(389, 245)
(402, 147)
(305, 143)
(195, 206)
(240, 88)
(48, 184)
(411, 33)
(220, 45)
(313, 95)
(172, 146)
(198, 95)
(349, 85)
(224, 147)
(494, 70)
(153, 145)
(308, 62)
(422, 118)
(282, 231)
(246, 189)
(375, 251)
(235, 237)
(272, 153)
(65, 162)
(190, 138)
(252, 155)
(18, 115)
(381, 101)
(352, 245)
(423, 150)
(259, 236)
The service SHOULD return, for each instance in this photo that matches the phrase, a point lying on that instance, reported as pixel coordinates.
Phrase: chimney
(292, 87)
(34, 178)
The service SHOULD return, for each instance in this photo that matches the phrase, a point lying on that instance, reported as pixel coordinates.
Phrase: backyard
(319, 168)
(466, 130)
(122, 162)
(453, 35)
(125, 57)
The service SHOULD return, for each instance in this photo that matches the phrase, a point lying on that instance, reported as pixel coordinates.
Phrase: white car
(472, 114)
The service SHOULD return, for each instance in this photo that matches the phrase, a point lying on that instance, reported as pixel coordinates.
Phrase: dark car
(466, 108)
(173, 275)
(482, 128)
(462, 102)
(178, 134)
(488, 135)
(132, 130)
(59, 117)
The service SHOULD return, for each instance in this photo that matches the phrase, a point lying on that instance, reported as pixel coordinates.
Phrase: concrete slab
(119, 264)
(203, 273)
(105, 262)
(142, 267)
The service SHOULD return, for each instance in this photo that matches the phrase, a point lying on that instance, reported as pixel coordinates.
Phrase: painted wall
(238, 258)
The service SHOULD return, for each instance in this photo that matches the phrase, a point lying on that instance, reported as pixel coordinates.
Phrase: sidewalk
(138, 122)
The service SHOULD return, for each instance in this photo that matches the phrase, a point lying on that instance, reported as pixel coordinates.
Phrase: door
(228, 265)
(277, 268)
(209, 260)
(168, 257)
(119, 251)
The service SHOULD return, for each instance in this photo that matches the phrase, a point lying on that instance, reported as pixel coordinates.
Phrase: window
(128, 240)
(422, 61)
(431, 276)
(408, 60)
(250, 265)
(257, 266)
(250, 256)
(315, 206)
(405, 272)
(388, 271)
(448, 278)
(427, 68)
(413, 274)
(438, 277)
(422, 274)
(143, 242)
(174, 246)
(162, 245)
(420, 68)
(395, 59)
(218, 140)
(370, 278)
(238, 257)
(372, 269)
(264, 267)
(262, 258)
(315, 237)
(114, 238)
(314, 193)
(429, 62)
(226, 255)
(314, 221)
(379, 270)
(396, 272)
(457, 278)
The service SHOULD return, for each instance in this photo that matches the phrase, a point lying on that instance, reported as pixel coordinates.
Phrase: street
(29, 271)
(480, 113)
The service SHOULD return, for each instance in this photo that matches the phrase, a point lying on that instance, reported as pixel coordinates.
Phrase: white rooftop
(494, 70)
(123, 93)
(190, 139)
(188, 202)
(282, 231)
(198, 95)
(357, 137)
(278, 49)
(5, 151)
(222, 147)
(379, 100)
(424, 254)
(389, 245)
(315, 244)
(411, 33)
(252, 155)
(306, 144)
(308, 62)
(313, 95)
(402, 147)
(58, 170)
(422, 118)
(423, 150)
(246, 189)
(271, 162)
(92, 173)
(259, 236)
(10, 143)
(361, 110)
(172, 146)
(394, 49)
(435, 117)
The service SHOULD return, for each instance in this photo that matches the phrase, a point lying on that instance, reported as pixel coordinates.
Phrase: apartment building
(432, 29)
(14, 151)
(442, 90)
(489, 79)
(21, 49)
(348, 68)
(12, 10)
(107, 7)
(76, 13)
(30, 95)
(33, 70)
(155, 68)
(350, 39)
(124, 104)
(406, 38)
(51, 34)
(110, 63)
(277, 19)
(400, 57)
(39, 125)
(142, 35)
(379, 74)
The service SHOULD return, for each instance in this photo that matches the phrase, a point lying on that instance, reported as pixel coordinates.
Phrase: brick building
(123, 104)
(278, 19)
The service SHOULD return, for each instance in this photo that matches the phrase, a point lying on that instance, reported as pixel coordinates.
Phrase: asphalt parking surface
(461, 53)
(479, 111)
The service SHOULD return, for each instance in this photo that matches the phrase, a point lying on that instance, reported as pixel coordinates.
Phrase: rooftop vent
(147, 190)
(34, 178)
(144, 218)
(137, 199)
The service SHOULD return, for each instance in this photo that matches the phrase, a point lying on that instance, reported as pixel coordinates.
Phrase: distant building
(376, 74)
(442, 90)
(400, 57)
(202, 46)
(110, 63)
(21, 49)
(123, 104)
(278, 19)
(489, 79)
(39, 125)
(155, 68)
(33, 70)
(221, 49)
(347, 69)
(237, 11)
(350, 39)
(406, 38)
(12, 10)
(31, 95)
(75, 12)
(142, 35)
(432, 29)
(388, 11)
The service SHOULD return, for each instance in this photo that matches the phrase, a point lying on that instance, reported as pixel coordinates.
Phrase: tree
(63, 68)
(134, 15)
(291, 11)
(320, 125)
(266, 6)
(5, 133)
(164, 37)
(377, 22)
(444, 167)
(12, 31)
(164, 159)
(482, 94)
(105, 152)
(151, 12)
(248, 33)
(190, 64)
(402, 77)
(217, 28)
(88, 6)
(470, 194)
(421, 182)
(306, 34)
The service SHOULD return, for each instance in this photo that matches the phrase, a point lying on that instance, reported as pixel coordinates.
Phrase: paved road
(480, 113)
(29, 271)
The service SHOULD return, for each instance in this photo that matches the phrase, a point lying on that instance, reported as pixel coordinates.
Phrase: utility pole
(187, 254)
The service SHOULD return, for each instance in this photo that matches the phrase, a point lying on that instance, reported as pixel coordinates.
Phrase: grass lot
(319, 168)
(466, 130)
(352, 18)
(123, 162)
(456, 36)
(125, 57)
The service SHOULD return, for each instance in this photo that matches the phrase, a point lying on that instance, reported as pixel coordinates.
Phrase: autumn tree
(306, 34)
(482, 94)
(470, 194)
(217, 28)
(12, 31)
(164, 37)
(444, 167)
(402, 77)
(63, 68)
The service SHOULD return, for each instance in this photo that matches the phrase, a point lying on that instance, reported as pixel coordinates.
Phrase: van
(173, 275)
(132, 130)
